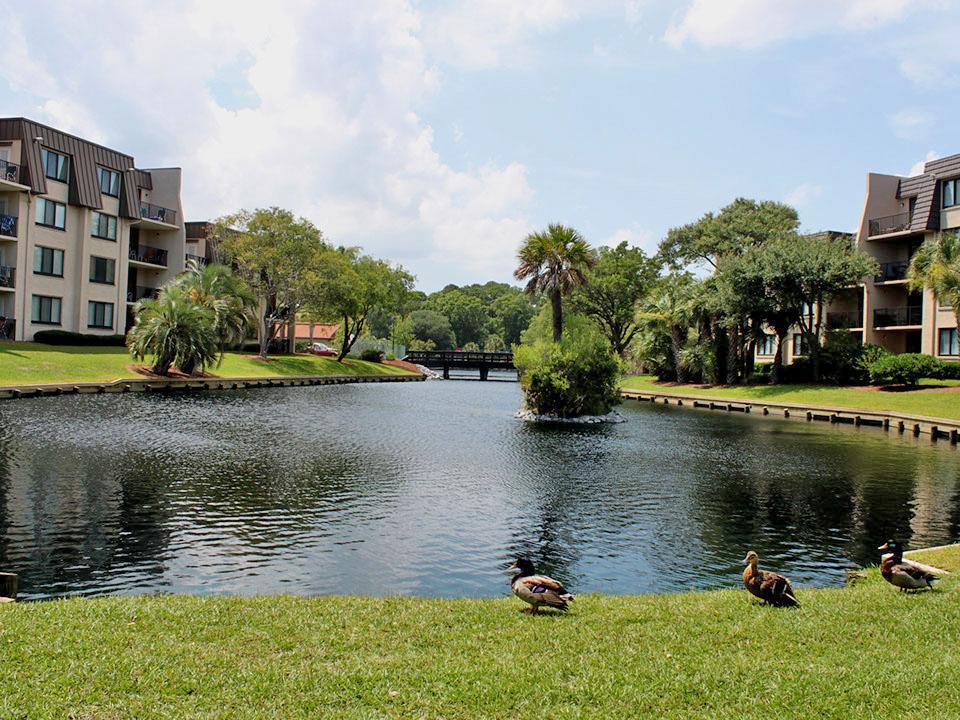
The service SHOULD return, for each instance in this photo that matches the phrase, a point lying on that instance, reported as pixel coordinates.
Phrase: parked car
(322, 349)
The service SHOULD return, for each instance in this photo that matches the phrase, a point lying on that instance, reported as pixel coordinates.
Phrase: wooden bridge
(445, 360)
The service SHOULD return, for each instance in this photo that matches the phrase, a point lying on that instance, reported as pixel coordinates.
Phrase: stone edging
(933, 427)
(10, 392)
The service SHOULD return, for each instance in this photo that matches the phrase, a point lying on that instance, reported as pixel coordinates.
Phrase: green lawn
(862, 651)
(924, 401)
(32, 363)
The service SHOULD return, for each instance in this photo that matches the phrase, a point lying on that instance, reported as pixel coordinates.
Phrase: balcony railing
(8, 328)
(898, 316)
(139, 293)
(844, 320)
(158, 213)
(891, 224)
(8, 225)
(9, 171)
(8, 276)
(147, 254)
(198, 259)
(891, 271)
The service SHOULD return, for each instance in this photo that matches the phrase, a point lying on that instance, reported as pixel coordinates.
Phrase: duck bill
(745, 561)
(512, 566)
(884, 548)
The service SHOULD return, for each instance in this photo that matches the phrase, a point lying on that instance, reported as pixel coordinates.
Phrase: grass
(862, 651)
(33, 363)
(921, 401)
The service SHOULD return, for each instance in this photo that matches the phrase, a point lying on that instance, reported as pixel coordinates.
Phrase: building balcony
(844, 320)
(8, 277)
(8, 328)
(157, 217)
(198, 259)
(11, 177)
(146, 255)
(906, 316)
(8, 226)
(890, 224)
(141, 293)
(891, 272)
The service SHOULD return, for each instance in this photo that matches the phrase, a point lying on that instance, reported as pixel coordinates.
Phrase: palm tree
(175, 330)
(554, 262)
(936, 265)
(226, 295)
(671, 308)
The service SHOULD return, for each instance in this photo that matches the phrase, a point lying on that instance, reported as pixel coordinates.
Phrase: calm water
(430, 488)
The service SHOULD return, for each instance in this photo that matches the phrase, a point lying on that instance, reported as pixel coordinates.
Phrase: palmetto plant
(226, 295)
(936, 265)
(554, 262)
(175, 331)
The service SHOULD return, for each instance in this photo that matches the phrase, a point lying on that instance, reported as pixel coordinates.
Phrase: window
(46, 310)
(950, 197)
(799, 344)
(102, 270)
(55, 165)
(767, 346)
(47, 261)
(103, 226)
(51, 214)
(109, 181)
(99, 314)
(949, 342)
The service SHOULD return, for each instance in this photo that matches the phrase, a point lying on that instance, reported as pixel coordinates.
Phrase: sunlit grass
(861, 651)
(32, 363)
(916, 401)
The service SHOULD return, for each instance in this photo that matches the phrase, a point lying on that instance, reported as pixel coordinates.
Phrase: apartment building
(84, 233)
(899, 214)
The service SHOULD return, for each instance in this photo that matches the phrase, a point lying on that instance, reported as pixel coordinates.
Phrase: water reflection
(431, 489)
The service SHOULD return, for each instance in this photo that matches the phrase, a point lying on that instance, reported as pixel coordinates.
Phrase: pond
(432, 488)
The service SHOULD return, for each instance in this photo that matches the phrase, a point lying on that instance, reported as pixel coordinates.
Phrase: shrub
(844, 360)
(174, 330)
(904, 369)
(277, 346)
(949, 370)
(371, 355)
(302, 345)
(64, 337)
(571, 378)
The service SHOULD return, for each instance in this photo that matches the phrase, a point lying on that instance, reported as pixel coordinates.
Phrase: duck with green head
(537, 590)
(906, 574)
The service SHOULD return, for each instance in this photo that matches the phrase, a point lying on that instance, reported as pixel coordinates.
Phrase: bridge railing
(427, 357)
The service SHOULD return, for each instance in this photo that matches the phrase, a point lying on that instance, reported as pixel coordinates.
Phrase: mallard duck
(768, 586)
(536, 589)
(906, 574)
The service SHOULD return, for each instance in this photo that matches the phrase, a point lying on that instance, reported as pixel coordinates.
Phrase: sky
(439, 134)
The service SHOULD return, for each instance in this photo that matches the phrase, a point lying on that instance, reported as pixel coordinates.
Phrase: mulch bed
(174, 374)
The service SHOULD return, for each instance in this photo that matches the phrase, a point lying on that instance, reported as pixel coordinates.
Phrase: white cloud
(917, 168)
(911, 123)
(634, 236)
(804, 195)
(331, 129)
(755, 23)
(480, 35)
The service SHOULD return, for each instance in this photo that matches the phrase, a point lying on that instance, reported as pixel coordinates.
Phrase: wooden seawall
(11, 392)
(916, 425)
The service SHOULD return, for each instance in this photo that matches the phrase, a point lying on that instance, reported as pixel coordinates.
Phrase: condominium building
(84, 233)
(899, 214)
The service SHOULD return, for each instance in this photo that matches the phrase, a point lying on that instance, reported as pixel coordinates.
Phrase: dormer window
(55, 165)
(951, 193)
(109, 181)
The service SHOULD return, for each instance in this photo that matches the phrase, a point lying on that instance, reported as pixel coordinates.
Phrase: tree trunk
(778, 358)
(292, 338)
(345, 345)
(815, 344)
(676, 345)
(556, 301)
(733, 356)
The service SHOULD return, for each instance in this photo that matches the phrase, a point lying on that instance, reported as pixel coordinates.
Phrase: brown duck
(536, 589)
(768, 586)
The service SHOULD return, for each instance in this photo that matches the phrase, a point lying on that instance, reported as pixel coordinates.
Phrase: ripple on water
(431, 489)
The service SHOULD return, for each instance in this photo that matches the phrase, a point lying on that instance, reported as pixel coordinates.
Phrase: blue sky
(439, 134)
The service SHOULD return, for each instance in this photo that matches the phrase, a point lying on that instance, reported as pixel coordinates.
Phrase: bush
(904, 369)
(277, 346)
(949, 370)
(64, 337)
(569, 379)
(302, 345)
(372, 355)
(844, 360)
